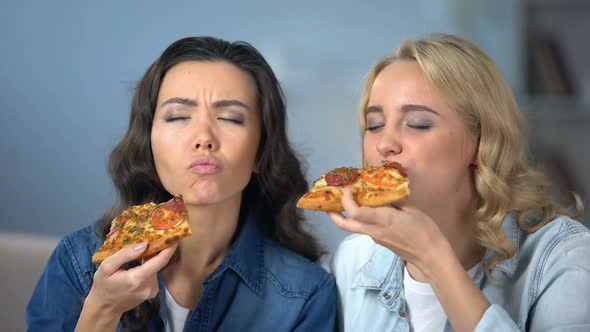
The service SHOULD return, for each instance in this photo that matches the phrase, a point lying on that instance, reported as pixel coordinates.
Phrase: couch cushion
(22, 259)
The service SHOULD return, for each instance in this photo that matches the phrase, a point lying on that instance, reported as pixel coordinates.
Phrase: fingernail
(140, 246)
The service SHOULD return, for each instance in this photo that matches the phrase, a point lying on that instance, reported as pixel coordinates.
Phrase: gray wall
(67, 71)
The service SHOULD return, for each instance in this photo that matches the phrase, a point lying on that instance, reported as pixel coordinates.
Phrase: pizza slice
(371, 186)
(159, 225)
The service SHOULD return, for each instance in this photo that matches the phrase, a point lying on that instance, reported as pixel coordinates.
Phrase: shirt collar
(513, 232)
(377, 270)
(246, 258)
(384, 262)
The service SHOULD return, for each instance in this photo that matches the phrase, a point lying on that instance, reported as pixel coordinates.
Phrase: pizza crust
(323, 200)
(154, 245)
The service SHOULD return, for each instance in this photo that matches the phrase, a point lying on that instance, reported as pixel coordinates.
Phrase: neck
(457, 225)
(198, 255)
(455, 219)
(460, 231)
(213, 228)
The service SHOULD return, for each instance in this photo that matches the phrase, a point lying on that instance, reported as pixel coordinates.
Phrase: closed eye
(420, 126)
(177, 118)
(373, 128)
(419, 123)
(374, 118)
(232, 120)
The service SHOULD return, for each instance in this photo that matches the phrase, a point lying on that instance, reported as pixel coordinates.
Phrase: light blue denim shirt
(545, 286)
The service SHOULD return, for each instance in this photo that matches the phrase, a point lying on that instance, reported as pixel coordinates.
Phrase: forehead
(404, 83)
(404, 80)
(192, 78)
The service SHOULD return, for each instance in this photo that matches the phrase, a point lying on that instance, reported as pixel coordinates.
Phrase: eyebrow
(374, 109)
(404, 108)
(230, 102)
(218, 104)
(415, 107)
(178, 100)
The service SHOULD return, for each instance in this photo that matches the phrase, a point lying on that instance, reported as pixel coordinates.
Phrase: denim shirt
(545, 286)
(259, 286)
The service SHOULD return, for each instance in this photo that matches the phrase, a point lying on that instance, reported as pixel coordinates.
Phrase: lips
(205, 165)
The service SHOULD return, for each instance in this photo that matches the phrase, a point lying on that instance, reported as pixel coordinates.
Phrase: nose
(389, 143)
(209, 146)
(204, 138)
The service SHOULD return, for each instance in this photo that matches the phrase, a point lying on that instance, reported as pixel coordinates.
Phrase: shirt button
(387, 295)
(402, 313)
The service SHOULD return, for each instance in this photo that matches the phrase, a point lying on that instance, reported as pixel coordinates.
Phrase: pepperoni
(342, 176)
(396, 165)
(169, 214)
(175, 204)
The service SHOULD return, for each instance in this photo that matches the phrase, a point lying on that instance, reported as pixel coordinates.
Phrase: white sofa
(22, 259)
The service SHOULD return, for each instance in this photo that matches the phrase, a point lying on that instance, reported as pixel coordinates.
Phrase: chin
(200, 197)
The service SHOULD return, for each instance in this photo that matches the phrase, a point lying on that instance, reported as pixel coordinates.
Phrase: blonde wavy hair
(504, 180)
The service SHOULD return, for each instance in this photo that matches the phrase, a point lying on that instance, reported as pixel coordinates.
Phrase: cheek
(243, 164)
(469, 150)
(164, 148)
(243, 149)
(459, 153)
(158, 147)
(441, 170)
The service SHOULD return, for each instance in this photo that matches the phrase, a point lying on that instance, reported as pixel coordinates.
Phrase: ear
(475, 153)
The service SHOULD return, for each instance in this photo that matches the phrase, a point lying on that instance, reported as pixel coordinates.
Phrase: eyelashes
(373, 127)
(231, 120)
(177, 118)
(184, 118)
(416, 126)
(420, 126)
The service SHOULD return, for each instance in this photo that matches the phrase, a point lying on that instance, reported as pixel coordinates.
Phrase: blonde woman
(479, 244)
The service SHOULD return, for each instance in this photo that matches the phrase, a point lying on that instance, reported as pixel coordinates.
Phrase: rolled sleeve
(496, 319)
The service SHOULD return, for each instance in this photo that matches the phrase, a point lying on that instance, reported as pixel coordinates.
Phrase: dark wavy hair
(271, 193)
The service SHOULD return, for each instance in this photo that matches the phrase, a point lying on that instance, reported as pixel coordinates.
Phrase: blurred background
(68, 69)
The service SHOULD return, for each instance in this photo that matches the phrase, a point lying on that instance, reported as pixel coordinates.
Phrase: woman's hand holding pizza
(366, 195)
(116, 290)
(409, 233)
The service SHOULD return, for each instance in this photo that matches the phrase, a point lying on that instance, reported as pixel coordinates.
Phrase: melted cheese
(389, 176)
(134, 226)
